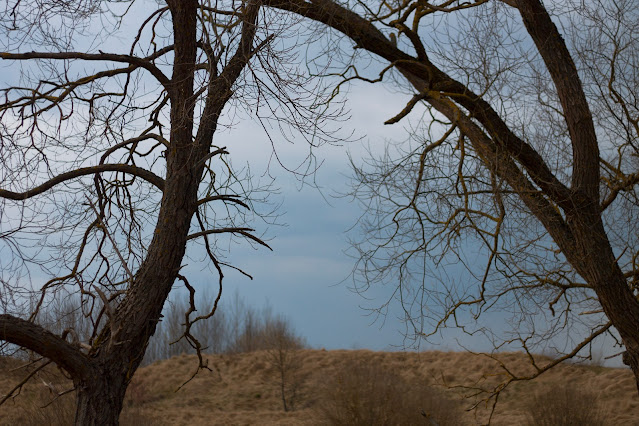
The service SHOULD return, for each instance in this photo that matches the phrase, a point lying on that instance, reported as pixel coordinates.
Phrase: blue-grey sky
(306, 276)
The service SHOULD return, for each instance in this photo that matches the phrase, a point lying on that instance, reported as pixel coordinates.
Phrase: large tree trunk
(99, 402)
(595, 261)
(123, 341)
(619, 305)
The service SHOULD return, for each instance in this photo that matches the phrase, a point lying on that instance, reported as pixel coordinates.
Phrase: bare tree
(110, 169)
(283, 347)
(526, 147)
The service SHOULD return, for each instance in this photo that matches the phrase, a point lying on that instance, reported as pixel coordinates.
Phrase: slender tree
(526, 147)
(109, 168)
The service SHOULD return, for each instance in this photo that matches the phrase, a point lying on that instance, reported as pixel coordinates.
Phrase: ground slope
(244, 389)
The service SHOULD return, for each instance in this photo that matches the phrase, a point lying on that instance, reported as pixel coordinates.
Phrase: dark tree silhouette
(527, 147)
(109, 168)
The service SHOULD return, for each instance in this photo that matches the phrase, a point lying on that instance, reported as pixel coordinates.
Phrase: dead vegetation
(49, 400)
(245, 388)
(565, 405)
(373, 395)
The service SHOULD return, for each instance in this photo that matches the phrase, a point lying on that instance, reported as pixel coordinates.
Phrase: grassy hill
(246, 388)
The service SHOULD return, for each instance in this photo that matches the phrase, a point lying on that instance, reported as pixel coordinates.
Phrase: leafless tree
(110, 168)
(525, 144)
(283, 354)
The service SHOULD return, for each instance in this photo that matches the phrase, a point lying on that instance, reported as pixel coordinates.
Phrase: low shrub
(564, 405)
(373, 396)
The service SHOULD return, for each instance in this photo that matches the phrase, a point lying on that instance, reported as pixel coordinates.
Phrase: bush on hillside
(564, 405)
(372, 396)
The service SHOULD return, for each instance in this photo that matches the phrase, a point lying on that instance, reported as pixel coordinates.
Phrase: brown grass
(243, 389)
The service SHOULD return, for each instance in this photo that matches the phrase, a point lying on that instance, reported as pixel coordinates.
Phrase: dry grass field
(245, 389)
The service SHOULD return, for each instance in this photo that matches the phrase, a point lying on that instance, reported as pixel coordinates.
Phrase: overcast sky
(307, 275)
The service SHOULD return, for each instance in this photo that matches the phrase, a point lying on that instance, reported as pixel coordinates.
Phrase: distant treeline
(235, 327)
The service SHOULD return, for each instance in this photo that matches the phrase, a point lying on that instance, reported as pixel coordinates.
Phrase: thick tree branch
(124, 168)
(504, 167)
(426, 77)
(562, 69)
(112, 57)
(36, 338)
(219, 90)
